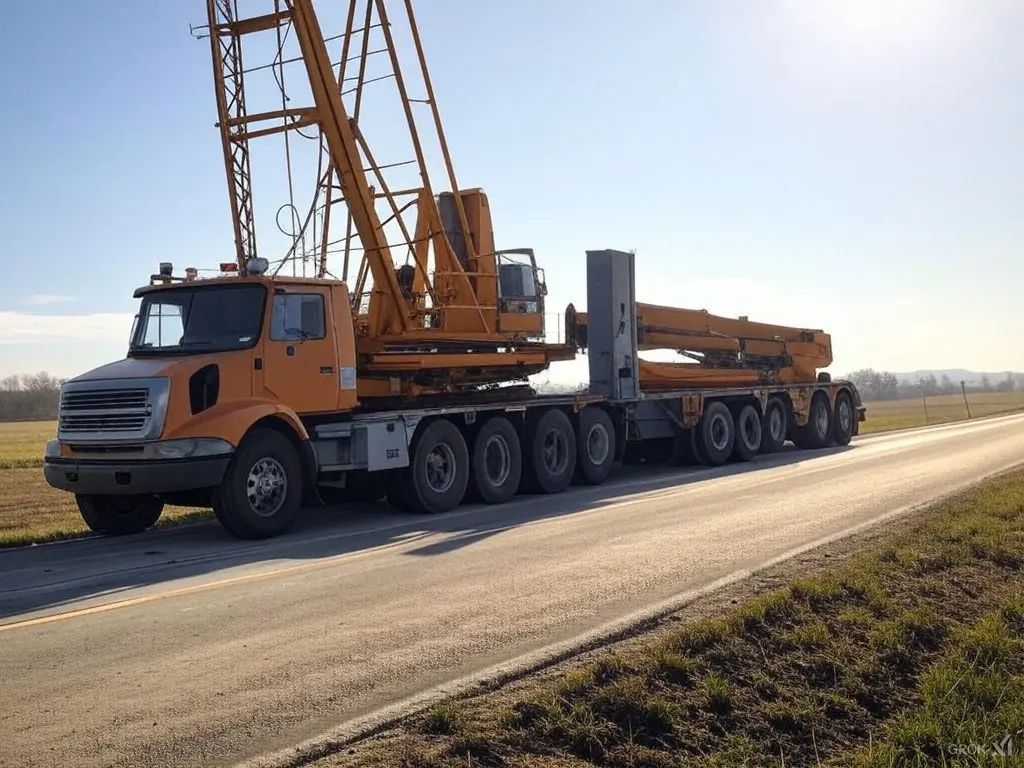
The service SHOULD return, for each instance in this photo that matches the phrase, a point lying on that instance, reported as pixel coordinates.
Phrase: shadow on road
(51, 576)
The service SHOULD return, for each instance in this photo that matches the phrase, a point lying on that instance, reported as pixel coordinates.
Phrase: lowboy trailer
(202, 426)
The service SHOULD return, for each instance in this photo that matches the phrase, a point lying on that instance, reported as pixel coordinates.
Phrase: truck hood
(134, 368)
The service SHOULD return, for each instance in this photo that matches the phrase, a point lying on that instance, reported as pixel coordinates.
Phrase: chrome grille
(109, 411)
(96, 411)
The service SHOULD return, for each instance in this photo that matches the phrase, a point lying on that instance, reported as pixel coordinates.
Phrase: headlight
(52, 450)
(189, 448)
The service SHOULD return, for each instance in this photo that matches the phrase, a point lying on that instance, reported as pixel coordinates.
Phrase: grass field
(32, 511)
(905, 649)
(902, 414)
(22, 442)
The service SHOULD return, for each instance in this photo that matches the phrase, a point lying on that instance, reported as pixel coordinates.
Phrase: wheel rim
(821, 419)
(845, 416)
(266, 486)
(555, 452)
(775, 424)
(597, 444)
(719, 432)
(440, 468)
(750, 433)
(497, 460)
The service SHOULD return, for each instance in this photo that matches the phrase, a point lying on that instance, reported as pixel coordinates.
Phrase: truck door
(300, 365)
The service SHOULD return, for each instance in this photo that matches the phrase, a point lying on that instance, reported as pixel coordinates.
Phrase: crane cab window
(517, 286)
(298, 317)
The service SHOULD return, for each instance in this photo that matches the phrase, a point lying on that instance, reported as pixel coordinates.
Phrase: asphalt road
(187, 648)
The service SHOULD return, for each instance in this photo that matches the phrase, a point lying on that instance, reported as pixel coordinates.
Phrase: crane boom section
(729, 351)
(344, 151)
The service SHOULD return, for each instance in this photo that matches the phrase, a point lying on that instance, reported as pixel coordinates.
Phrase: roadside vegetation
(909, 652)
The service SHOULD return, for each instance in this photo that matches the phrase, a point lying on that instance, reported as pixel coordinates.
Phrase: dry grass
(886, 415)
(31, 511)
(22, 442)
(908, 653)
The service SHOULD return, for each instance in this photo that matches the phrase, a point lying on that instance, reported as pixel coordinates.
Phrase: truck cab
(210, 363)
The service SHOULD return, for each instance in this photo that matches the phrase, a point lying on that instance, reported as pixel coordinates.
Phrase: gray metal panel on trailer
(611, 324)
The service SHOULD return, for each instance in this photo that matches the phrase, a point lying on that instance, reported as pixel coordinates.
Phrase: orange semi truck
(240, 393)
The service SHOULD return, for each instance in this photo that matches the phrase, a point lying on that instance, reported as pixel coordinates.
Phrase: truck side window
(298, 317)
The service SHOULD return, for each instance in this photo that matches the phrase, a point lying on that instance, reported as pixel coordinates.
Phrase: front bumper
(115, 478)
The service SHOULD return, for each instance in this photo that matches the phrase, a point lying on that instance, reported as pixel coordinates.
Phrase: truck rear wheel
(748, 434)
(817, 433)
(497, 462)
(774, 425)
(595, 446)
(843, 419)
(119, 515)
(549, 452)
(716, 434)
(261, 493)
(439, 468)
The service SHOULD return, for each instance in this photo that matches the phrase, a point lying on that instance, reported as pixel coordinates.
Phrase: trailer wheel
(119, 515)
(817, 433)
(716, 434)
(748, 434)
(684, 452)
(844, 419)
(261, 493)
(397, 494)
(595, 443)
(774, 425)
(549, 452)
(497, 461)
(439, 467)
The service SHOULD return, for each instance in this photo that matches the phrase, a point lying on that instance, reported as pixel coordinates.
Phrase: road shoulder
(807, 659)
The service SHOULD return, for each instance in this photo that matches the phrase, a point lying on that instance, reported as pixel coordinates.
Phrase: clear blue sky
(854, 166)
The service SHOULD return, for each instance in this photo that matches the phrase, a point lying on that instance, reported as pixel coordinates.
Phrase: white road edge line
(347, 732)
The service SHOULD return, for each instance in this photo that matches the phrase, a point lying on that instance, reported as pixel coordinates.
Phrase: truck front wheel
(261, 493)
(119, 515)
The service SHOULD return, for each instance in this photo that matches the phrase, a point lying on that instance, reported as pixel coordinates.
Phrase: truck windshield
(198, 319)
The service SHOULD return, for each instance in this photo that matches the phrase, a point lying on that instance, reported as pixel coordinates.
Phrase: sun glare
(875, 23)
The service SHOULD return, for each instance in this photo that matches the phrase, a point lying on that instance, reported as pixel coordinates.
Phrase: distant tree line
(29, 397)
(884, 385)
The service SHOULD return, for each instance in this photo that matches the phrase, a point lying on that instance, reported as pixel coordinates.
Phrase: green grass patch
(910, 653)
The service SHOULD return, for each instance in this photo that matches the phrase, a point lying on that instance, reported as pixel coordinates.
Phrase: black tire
(119, 515)
(595, 446)
(748, 434)
(774, 425)
(683, 451)
(247, 511)
(497, 462)
(817, 433)
(397, 494)
(549, 453)
(716, 434)
(844, 420)
(438, 470)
